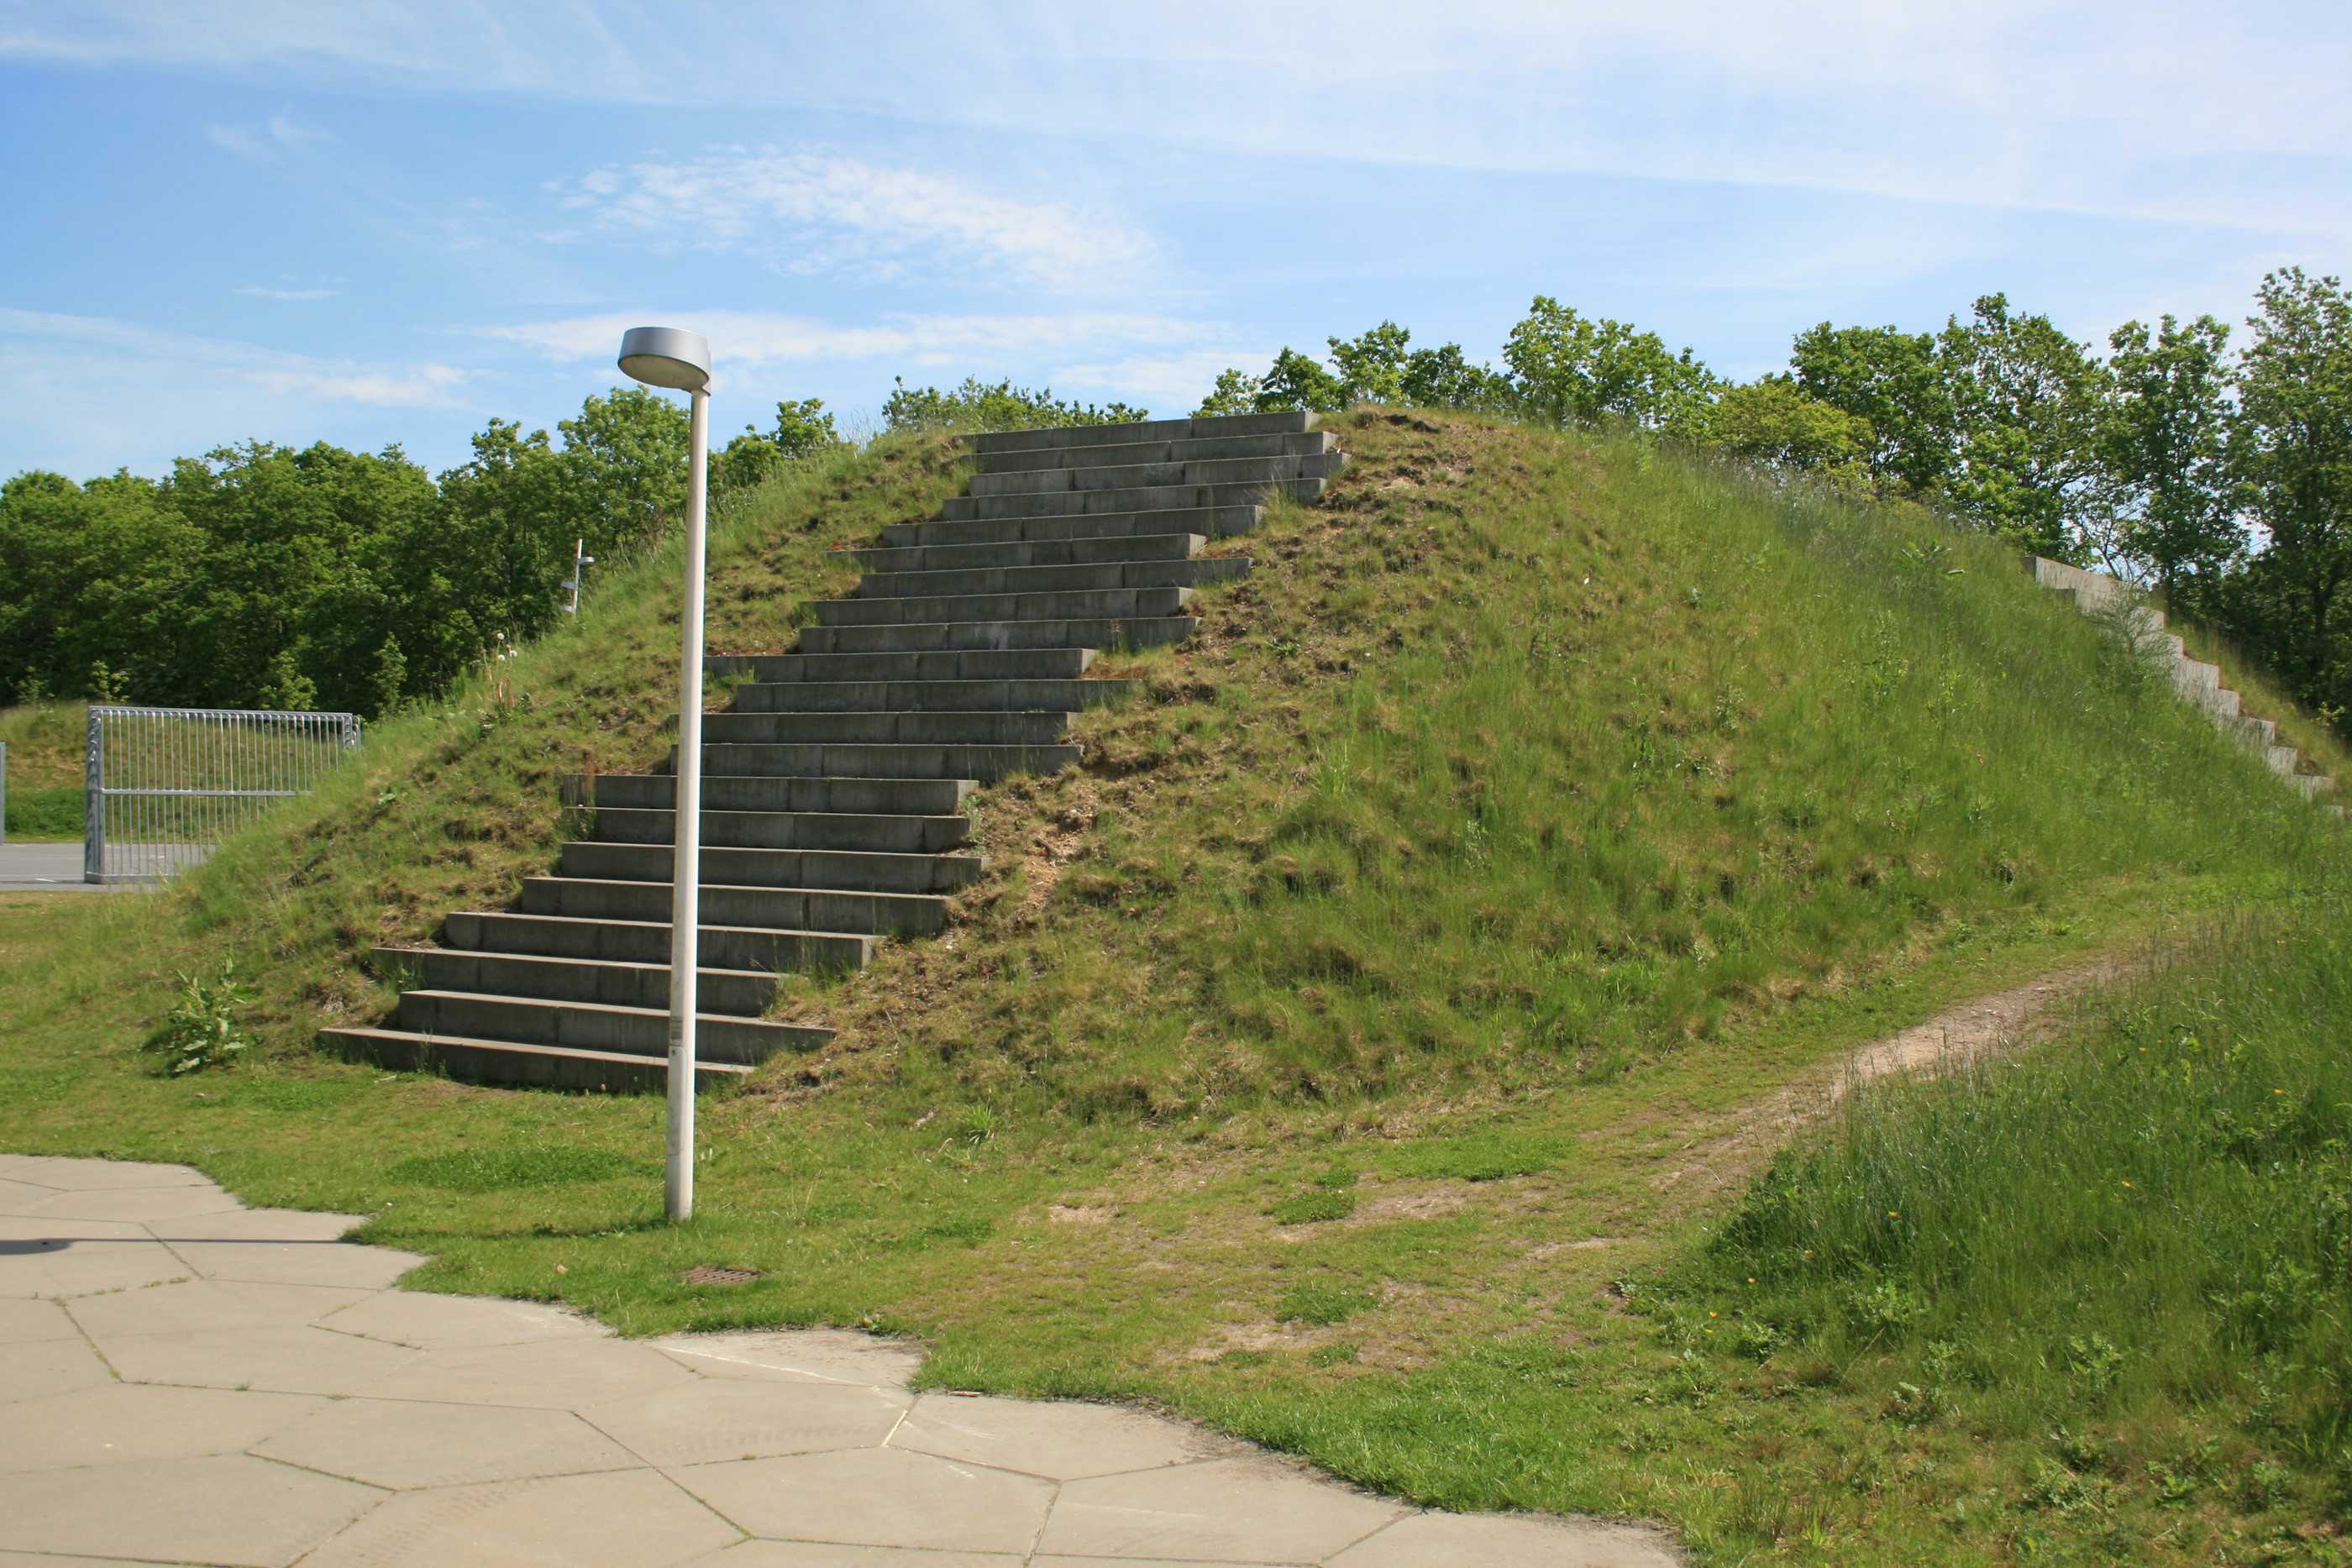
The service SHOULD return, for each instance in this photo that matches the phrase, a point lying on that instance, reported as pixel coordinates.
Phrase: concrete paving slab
(1129, 1563)
(629, 1519)
(136, 1204)
(45, 1560)
(124, 1422)
(261, 1225)
(450, 1323)
(227, 1509)
(1060, 1441)
(297, 1263)
(1505, 1541)
(555, 1375)
(16, 1195)
(715, 1419)
(393, 1442)
(76, 1257)
(1236, 1511)
(808, 1555)
(68, 1171)
(277, 1360)
(800, 1355)
(41, 1368)
(208, 1306)
(875, 1496)
(22, 1320)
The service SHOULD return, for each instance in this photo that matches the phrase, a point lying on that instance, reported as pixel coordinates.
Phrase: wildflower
(2128, 1184)
(1892, 1214)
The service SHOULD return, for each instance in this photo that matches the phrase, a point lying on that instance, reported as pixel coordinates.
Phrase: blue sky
(373, 222)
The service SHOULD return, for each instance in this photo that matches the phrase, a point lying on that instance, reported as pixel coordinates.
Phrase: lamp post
(667, 357)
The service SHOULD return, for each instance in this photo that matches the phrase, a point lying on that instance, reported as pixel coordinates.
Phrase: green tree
(2161, 445)
(1572, 369)
(1890, 379)
(389, 682)
(624, 468)
(1233, 394)
(1372, 367)
(2290, 453)
(1295, 381)
(979, 405)
(2025, 400)
(1771, 422)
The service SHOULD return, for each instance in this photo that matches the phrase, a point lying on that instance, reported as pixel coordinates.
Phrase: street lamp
(667, 357)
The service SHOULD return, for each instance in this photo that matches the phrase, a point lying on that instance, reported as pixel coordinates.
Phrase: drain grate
(708, 1275)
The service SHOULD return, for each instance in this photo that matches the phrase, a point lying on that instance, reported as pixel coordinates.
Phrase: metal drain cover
(708, 1275)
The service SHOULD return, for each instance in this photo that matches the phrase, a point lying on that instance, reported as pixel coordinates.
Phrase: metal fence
(166, 784)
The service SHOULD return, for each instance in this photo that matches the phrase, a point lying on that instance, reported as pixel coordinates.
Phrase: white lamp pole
(665, 357)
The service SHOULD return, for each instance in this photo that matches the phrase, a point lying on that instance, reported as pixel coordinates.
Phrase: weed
(202, 1030)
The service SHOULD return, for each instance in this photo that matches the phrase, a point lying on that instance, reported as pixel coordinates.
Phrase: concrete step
(597, 1026)
(982, 763)
(1206, 427)
(772, 908)
(1094, 577)
(631, 984)
(2259, 733)
(1062, 503)
(648, 941)
(2282, 759)
(1097, 604)
(848, 794)
(1127, 477)
(1196, 449)
(2313, 785)
(1105, 634)
(1010, 664)
(928, 696)
(1091, 550)
(1214, 522)
(787, 829)
(855, 871)
(884, 729)
(521, 1065)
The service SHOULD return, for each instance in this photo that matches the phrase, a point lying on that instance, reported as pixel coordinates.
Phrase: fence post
(93, 804)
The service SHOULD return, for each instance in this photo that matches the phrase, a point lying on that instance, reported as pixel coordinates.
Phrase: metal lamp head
(667, 357)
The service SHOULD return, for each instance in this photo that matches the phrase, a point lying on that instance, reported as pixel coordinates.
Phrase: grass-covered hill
(1365, 1048)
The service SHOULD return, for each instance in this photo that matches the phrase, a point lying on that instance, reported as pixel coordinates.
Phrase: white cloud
(755, 339)
(262, 292)
(266, 144)
(102, 349)
(816, 212)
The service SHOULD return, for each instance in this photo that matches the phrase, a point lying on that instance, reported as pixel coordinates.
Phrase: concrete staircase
(833, 789)
(2198, 683)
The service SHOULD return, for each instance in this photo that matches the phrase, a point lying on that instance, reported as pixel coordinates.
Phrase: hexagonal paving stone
(1509, 1541)
(627, 1519)
(1233, 1511)
(393, 1442)
(36, 1369)
(714, 1419)
(208, 1306)
(123, 1422)
(228, 1509)
(803, 1355)
(283, 1360)
(450, 1323)
(22, 1320)
(559, 1375)
(65, 1171)
(1059, 1441)
(76, 1257)
(137, 1204)
(875, 1496)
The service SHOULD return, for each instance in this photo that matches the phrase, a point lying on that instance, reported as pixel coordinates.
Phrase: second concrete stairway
(834, 786)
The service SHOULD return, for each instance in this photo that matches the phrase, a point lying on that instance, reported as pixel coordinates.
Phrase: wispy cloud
(267, 143)
(263, 291)
(101, 348)
(817, 213)
(754, 340)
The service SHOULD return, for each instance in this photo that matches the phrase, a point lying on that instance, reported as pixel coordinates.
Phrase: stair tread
(440, 993)
(708, 887)
(525, 1048)
(705, 926)
(435, 948)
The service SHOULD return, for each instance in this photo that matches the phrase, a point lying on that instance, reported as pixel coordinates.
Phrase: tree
(1771, 422)
(1890, 379)
(1296, 382)
(2160, 442)
(1233, 394)
(981, 405)
(2289, 453)
(624, 468)
(1371, 368)
(2024, 399)
(1571, 369)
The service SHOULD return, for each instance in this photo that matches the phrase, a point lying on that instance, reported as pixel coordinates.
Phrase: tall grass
(2135, 1243)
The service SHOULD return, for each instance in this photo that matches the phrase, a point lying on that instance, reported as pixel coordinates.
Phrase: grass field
(44, 771)
(1362, 1051)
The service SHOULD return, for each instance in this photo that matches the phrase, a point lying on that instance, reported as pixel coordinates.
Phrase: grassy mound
(45, 769)
(1405, 967)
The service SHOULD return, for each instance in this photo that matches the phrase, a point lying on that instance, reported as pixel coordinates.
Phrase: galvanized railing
(165, 784)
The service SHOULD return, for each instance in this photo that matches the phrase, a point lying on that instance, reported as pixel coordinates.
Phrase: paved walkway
(183, 1379)
(42, 868)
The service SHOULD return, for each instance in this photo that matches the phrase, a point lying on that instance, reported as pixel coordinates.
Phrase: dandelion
(1710, 1314)
(2128, 1184)
(1892, 1214)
